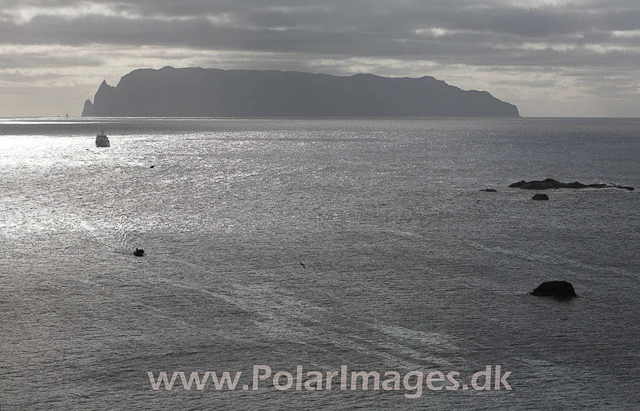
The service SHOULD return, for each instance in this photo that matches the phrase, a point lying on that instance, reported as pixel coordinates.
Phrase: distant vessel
(102, 140)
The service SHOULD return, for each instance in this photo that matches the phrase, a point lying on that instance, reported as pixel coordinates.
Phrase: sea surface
(407, 265)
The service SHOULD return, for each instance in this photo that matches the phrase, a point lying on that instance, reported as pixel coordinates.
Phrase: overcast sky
(549, 57)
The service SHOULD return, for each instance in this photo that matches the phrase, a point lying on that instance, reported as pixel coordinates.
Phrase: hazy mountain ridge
(198, 92)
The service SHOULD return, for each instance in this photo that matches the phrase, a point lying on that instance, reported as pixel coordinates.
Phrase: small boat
(102, 140)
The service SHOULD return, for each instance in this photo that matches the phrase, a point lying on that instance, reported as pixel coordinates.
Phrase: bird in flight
(302, 265)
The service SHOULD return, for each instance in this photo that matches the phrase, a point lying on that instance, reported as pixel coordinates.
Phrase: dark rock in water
(622, 187)
(557, 289)
(544, 184)
(139, 252)
(540, 197)
(489, 190)
(550, 183)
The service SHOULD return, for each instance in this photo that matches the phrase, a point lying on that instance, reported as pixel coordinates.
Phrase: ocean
(315, 245)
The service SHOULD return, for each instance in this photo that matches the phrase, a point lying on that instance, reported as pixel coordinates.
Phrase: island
(199, 92)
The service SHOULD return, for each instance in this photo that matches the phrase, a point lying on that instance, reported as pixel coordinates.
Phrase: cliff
(197, 92)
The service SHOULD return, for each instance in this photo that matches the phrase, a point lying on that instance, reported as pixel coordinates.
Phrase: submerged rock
(540, 197)
(550, 183)
(557, 289)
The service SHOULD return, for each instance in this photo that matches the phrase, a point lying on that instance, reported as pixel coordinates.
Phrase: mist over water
(408, 265)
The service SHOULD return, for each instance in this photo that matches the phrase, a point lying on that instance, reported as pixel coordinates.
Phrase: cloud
(626, 34)
(404, 37)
